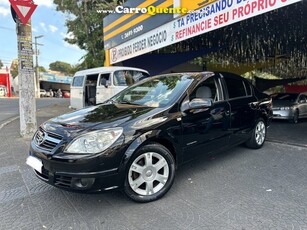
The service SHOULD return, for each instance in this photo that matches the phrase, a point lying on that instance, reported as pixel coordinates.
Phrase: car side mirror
(200, 103)
(196, 103)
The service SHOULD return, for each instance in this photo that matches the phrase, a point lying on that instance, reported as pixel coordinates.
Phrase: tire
(294, 119)
(150, 173)
(258, 135)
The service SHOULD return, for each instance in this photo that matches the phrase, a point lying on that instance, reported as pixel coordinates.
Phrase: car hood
(281, 103)
(96, 117)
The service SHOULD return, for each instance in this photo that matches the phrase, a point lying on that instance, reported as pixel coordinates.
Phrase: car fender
(134, 146)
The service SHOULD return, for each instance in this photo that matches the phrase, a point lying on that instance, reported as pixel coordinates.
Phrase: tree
(62, 67)
(1, 64)
(75, 68)
(14, 70)
(86, 27)
(42, 69)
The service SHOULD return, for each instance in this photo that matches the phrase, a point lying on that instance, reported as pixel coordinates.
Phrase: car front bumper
(282, 114)
(88, 174)
(89, 182)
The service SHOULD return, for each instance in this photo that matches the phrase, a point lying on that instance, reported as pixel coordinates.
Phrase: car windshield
(154, 92)
(285, 97)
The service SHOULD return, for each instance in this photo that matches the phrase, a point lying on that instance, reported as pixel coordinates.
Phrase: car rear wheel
(258, 135)
(294, 119)
(150, 173)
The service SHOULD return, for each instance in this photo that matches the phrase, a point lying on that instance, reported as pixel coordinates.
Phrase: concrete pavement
(284, 132)
(9, 107)
(236, 189)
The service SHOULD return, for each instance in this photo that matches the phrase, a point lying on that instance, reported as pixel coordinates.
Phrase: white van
(94, 86)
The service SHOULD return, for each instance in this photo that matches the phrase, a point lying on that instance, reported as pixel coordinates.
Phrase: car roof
(201, 75)
(106, 70)
(192, 74)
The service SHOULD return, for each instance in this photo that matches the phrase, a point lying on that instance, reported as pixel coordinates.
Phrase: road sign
(24, 9)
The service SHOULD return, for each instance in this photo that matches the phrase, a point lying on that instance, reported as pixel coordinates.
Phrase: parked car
(136, 140)
(42, 93)
(289, 106)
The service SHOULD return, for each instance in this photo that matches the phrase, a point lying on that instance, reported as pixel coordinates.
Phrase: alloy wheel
(148, 173)
(260, 132)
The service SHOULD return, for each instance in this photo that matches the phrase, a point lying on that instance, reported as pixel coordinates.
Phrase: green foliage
(14, 71)
(1, 64)
(85, 25)
(62, 67)
(75, 68)
(42, 69)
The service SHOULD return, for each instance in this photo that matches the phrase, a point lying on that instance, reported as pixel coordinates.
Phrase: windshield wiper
(130, 103)
(127, 103)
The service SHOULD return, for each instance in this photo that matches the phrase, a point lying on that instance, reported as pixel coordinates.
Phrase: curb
(8, 122)
(287, 143)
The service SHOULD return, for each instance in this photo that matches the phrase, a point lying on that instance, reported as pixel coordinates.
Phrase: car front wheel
(258, 135)
(150, 173)
(294, 119)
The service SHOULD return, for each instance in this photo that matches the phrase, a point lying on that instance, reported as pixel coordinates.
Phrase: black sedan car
(136, 140)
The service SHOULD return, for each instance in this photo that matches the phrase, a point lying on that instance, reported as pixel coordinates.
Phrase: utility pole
(36, 65)
(27, 104)
(21, 13)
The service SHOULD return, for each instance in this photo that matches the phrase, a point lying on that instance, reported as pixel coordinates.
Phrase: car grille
(63, 181)
(46, 140)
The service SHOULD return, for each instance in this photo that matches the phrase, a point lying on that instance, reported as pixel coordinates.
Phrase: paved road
(285, 132)
(9, 107)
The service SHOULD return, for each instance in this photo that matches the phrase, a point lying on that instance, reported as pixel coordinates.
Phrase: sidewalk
(17, 181)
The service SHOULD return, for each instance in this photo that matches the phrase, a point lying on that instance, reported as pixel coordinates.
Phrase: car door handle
(81, 93)
(97, 93)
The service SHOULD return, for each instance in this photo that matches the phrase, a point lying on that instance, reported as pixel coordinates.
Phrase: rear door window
(235, 87)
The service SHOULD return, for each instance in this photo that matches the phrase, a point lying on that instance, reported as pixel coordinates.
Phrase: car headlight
(94, 142)
(284, 108)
